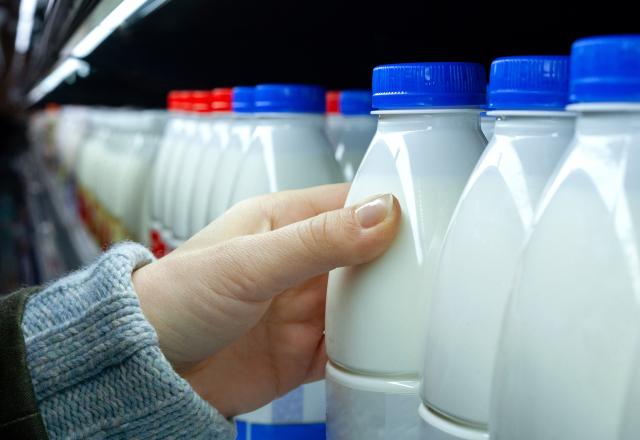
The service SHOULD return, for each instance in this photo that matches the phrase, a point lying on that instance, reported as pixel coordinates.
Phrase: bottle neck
(359, 117)
(285, 119)
(534, 124)
(428, 120)
(607, 119)
(243, 115)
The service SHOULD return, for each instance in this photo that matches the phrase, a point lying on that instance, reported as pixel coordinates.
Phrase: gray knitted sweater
(96, 366)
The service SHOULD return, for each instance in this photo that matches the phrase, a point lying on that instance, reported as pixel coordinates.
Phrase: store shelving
(60, 241)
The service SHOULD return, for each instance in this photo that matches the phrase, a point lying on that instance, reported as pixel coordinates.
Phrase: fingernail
(373, 212)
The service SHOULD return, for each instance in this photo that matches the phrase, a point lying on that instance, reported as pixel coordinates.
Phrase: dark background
(208, 43)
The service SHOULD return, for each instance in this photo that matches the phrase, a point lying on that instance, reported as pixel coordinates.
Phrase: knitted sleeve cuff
(95, 363)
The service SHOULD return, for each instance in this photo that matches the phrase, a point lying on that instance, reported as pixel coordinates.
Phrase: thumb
(263, 265)
(200, 301)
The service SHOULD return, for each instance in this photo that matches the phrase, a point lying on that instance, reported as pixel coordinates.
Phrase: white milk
(488, 229)
(568, 357)
(104, 167)
(123, 145)
(567, 364)
(71, 130)
(287, 151)
(353, 141)
(180, 159)
(159, 191)
(478, 262)
(228, 164)
(424, 158)
(201, 145)
(88, 166)
(207, 169)
(157, 122)
(135, 166)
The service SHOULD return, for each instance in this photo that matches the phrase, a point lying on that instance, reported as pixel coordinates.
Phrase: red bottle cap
(182, 100)
(333, 102)
(221, 99)
(201, 101)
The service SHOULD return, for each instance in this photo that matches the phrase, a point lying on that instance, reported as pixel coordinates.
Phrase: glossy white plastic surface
(334, 123)
(107, 166)
(137, 220)
(70, 132)
(177, 163)
(227, 169)
(478, 261)
(287, 151)
(487, 125)
(133, 162)
(91, 152)
(353, 141)
(376, 313)
(567, 364)
(206, 172)
(433, 426)
(154, 132)
(365, 408)
(204, 149)
(173, 132)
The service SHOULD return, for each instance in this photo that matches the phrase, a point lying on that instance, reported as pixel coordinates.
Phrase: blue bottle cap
(536, 82)
(355, 102)
(242, 99)
(420, 85)
(605, 69)
(289, 98)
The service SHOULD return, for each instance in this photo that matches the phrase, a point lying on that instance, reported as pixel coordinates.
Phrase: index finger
(286, 207)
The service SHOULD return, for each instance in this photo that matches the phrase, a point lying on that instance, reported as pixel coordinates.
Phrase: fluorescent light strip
(65, 69)
(110, 23)
(25, 25)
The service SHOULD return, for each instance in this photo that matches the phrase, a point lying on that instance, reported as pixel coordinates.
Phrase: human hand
(239, 309)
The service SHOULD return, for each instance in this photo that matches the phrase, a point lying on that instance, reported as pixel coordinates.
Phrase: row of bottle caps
(313, 99)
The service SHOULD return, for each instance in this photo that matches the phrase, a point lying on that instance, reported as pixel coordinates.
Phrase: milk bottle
(183, 161)
(427, 142)
(231, 157)
(152, 139)
(289, 149)
(527, 96)
(122, 146)
(567, 362)
(194, 154)
(100, 185)
(333, 118)
(82, 163)
(218, 140)
(358, 127)
(176, 102)
(134, 170)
